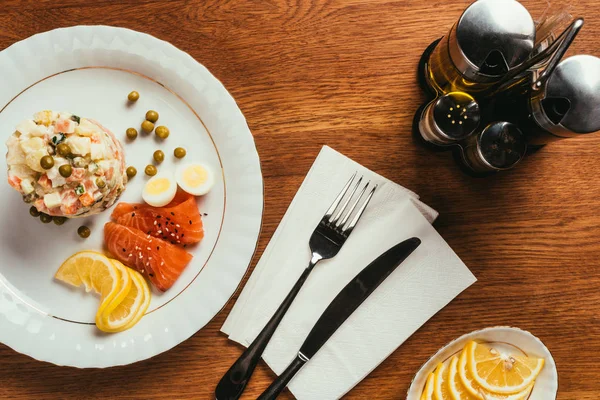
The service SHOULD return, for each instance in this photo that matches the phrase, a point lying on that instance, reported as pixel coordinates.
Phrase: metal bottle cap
(569, 104)
(450, 118)
(500, 146)
(491, 38)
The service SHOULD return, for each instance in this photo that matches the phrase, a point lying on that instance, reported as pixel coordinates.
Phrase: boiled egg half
(160, 190)
(195, 178)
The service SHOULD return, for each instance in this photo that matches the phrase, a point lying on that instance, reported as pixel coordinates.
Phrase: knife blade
(344, 304)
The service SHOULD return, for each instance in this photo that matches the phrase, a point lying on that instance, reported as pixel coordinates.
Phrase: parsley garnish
(58, 139)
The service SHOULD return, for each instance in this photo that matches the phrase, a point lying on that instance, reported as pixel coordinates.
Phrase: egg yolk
(158, 186)
(195, 176)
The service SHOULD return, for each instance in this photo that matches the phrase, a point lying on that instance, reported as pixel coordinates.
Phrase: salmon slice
(178, 223)
(161, 262)
(124, 208)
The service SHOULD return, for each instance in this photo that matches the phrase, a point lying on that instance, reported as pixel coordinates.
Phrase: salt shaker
(449, 119)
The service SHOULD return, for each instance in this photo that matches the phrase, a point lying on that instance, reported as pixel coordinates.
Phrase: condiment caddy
(497, 86)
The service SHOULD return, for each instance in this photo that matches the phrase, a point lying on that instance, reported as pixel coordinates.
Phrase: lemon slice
(121, 315)
(428, 391)
(474, 390)
(459, 391)
(440, 383)
(147, 297)
(455, 386)
(501, 373)
(97, 273)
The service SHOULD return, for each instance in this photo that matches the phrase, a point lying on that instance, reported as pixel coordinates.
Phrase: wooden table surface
(342, 73)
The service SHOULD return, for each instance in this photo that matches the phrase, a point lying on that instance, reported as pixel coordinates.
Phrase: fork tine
(338, 199)
(345, 205)
(343, 222)
(347, 230)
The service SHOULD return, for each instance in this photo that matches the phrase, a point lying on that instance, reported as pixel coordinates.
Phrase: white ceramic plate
(514, 340)
(89, 71)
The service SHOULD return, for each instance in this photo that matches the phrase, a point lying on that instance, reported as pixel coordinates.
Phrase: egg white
(164, 196)
(198, 190)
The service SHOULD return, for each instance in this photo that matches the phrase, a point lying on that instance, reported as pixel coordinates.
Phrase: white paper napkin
(428, 280)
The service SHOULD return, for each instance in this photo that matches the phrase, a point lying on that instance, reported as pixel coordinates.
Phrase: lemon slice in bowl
(455, 386)
(120, 315)
(440, 383)
(498, 372)
(460, 391)
(428, 391)
(97, 273)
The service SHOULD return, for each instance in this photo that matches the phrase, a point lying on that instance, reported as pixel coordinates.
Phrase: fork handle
(234, 381)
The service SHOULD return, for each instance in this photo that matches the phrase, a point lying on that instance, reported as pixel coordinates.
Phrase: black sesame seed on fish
(205, 214)
(190, 221)
(172, 213)
(159, 216)
(182, 235)
(124, 251)
(132, 215)
(157, 247)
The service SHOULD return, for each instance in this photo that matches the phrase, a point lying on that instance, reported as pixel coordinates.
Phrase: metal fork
(326, 241)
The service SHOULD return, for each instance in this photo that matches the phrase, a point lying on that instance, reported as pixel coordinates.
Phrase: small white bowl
(546, 384)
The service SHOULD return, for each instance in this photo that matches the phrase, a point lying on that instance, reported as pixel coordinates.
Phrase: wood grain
(342, 72)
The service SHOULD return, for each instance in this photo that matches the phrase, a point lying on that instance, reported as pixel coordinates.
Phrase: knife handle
(282, 380)
(232, 384)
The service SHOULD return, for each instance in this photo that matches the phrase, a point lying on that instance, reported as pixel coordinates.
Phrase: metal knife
(344, 304)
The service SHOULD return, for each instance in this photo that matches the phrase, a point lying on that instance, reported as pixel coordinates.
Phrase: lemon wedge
(97, 273)
(120, 315)
(440, 383)
(500, 373)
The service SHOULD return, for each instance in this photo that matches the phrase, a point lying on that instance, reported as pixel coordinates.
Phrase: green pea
(45, 218)
(65, 170)
(34, 212)
(63, 149)
(101, 183)
(152, 116)
(131, 133)
(47, 162)
(133, 96)
(84, 232)
(151, 170)
(60, 220)
(131, 172)
(159, 156)
(162, 132)
(147, 126)
(180, 152)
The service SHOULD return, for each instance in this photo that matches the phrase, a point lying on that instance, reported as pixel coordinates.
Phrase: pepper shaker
(498, 147)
